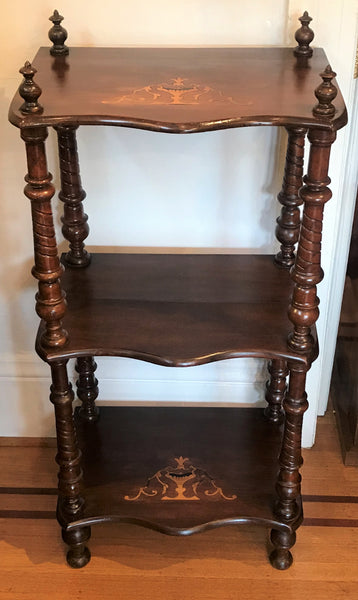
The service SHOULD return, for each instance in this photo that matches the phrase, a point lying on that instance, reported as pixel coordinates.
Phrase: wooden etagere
(178, 470)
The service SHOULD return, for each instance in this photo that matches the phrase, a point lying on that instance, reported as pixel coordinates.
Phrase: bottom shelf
(179, 470)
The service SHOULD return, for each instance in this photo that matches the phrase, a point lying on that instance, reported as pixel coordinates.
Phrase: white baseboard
(27, 412)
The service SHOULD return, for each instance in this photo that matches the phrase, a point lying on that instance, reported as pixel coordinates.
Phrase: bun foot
(78, 555)
(78, 559)
(281, 559)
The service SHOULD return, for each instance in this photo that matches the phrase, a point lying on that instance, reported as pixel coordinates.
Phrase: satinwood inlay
(177, 90)
(180, 480)
(182, 310)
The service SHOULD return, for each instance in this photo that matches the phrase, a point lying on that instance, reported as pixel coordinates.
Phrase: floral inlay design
(180, 480)
(177, 90)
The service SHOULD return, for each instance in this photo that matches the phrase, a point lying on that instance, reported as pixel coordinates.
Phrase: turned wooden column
(307, 272)
(75, 228)
(50, 299)
(87, 387)
(276, 389)
(288, 485)
(288, 223)
(70, 503)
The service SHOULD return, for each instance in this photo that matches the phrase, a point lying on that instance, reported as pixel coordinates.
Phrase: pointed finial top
(325, 94)
(29, 90)
(57, 35)
(304, 36)
(305, 19)
(56, 17)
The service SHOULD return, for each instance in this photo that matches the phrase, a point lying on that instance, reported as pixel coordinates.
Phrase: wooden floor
(132, 563)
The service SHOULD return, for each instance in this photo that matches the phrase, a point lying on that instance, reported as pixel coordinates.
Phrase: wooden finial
(304, 36)
(29, 90)
(325, 94)
(57, 35)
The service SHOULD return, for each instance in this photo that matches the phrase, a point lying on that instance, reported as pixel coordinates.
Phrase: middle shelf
(176, 310)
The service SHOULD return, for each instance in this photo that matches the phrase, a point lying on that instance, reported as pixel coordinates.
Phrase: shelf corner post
(307, 272)
(50, 299)
(288, 485)
(75, 227)
(288, 223)
(70, 502)
(275, 390)
(87, 388)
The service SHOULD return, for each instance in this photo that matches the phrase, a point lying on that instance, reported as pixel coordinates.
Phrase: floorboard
(132, 563)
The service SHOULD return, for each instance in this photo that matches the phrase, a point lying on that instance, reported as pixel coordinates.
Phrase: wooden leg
(275, 390)
(281, 557)
(288, 486)
(87, 387)
(78, 555)
(70, 501)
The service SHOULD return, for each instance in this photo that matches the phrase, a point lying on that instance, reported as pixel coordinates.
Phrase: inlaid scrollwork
(180, 480)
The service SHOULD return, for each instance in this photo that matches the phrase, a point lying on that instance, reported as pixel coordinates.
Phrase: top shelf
(179, 90)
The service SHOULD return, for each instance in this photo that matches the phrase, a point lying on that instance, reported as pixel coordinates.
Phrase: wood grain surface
(179, 90)
(177, 310)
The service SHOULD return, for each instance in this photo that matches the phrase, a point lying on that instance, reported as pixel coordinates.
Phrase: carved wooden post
(87, 387)
(307, 272)
(276, 389)
(50, 300)
(303, 313)
(75, 228)
(289, 480)
(288, 223)
(70, 503)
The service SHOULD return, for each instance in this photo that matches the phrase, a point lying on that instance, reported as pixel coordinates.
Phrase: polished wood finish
(307, 271)
(70, 503)
(87, 387)
(288, 223)
(75, 228)
(288, 507)
(29, 90)
(179, 90)
(304, 36)
(180, 471)
(57, 35)
(50, 300)
(276, 390)
(325, 94)
(177, 310)
(143, 483)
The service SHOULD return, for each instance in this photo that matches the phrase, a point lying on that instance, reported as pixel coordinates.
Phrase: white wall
(221, 173)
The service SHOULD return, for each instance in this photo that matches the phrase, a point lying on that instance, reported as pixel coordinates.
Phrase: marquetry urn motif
(180, 480)
(177, 90)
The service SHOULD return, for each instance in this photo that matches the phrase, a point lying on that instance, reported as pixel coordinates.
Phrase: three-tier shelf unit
(178, 470)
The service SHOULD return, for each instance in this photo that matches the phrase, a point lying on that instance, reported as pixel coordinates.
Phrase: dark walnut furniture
(178, 470)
